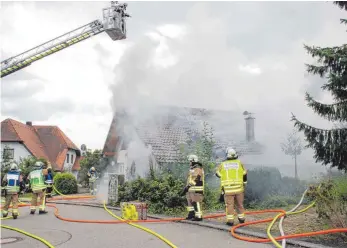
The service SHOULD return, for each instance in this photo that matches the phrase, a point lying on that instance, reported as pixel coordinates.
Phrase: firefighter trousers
(34, 200)
(8, 199)
(230, 200)
(194, 201)
(49, 190)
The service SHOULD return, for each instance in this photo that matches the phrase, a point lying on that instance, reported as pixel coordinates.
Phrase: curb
(208, 224)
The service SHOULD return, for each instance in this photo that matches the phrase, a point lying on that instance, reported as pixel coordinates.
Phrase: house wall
(69, 161)
(20, 151)
(122, 163)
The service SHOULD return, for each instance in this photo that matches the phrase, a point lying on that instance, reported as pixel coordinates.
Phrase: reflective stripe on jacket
(231, 176)
(196, 180)
(13, 180)
(37, 180)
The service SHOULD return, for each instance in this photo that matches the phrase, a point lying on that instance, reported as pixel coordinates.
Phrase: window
(67, 158)
(71, 158)
(8, 153)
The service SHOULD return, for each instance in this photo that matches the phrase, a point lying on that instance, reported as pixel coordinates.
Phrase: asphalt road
(73, 235)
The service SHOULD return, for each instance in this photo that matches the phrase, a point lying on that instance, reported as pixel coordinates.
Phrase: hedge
(66, 183)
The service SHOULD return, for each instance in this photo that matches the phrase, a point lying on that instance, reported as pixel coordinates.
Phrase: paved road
(72, 235)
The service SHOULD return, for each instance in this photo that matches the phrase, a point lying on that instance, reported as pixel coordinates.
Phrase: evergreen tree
(330, 146)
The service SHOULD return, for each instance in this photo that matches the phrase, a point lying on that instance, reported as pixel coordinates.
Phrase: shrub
(266, 182)
(331, 200)
(66, 183)
(162, 194)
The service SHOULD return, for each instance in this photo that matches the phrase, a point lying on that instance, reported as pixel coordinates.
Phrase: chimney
(249, 126)
(29, 123)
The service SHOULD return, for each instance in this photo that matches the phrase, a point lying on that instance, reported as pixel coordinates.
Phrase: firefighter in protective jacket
(195, 189)
(13, 183)
(37, 184)
(233, 177)
(49, 181)
(92, 180)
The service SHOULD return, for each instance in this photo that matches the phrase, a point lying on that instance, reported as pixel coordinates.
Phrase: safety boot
(43, 212)
(4, 215)
(197, 219)
(32, 211)
(242, 220)
(229, 223)
(15, 216)
(190, 215)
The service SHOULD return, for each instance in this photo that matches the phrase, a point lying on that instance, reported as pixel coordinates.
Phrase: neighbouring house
(160, 132)
(19, 140)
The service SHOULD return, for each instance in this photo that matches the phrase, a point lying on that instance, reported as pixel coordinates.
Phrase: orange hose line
(257, 240)
(290, 236)
(56, 213)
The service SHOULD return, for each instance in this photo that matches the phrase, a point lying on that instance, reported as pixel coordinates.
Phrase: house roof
(170, 127)
(47, 142)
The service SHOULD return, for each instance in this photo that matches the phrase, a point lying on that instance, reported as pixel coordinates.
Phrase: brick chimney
(249, 126)
(29, 123)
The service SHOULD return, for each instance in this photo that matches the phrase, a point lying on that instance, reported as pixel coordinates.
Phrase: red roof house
(22, 140)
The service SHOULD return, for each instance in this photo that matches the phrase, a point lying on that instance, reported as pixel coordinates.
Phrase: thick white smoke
(193, 65)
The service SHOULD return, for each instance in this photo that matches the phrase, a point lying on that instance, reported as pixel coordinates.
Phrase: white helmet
(231, 153)
(39, 164)
(193, 158)
(13, 166)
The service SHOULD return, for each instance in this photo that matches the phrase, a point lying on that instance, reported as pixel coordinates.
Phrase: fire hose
(233, 229)
(280, 225)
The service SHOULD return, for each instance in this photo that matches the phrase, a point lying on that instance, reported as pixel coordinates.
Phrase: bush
(66, 183)
(331, 200)
(267, 184)
(162, 194)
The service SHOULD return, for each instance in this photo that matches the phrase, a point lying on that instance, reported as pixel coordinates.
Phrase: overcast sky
(226, 55)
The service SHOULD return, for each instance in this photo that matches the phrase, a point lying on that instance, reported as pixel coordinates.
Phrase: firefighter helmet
(92, 169)
(39, 165)
(193, 158)
(231, 153)
(14, 166)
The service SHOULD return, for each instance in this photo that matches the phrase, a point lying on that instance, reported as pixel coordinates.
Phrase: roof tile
(166, 131)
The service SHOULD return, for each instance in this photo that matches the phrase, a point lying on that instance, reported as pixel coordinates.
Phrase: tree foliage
(91, 158)
(329, 145)
(5, 161)
(293, 147)
(201, 144)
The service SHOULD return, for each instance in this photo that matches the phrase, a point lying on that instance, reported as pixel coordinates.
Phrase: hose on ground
(29, 234)
(280, 225)
(141, 227)
(268, 231)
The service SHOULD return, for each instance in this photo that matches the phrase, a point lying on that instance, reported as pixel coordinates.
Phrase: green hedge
(66, 183)
(162, 193)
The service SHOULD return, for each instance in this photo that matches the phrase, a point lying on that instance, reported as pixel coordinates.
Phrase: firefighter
(233, 177)
(194, 189)
(49, 181)
(92, 180)
(37, 184)
(13, 183)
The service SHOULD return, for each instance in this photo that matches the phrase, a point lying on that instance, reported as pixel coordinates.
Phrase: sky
(221, 55)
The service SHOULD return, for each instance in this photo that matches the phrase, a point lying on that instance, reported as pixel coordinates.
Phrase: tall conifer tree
(330, 146)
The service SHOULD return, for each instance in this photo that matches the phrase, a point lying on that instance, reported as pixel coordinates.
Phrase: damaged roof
(167, 128)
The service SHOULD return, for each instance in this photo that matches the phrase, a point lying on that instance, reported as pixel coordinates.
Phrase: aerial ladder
(113, 24)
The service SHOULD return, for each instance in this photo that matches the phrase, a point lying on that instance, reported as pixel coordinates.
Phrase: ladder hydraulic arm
(113, 24)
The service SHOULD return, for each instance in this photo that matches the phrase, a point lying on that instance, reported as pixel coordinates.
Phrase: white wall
(122, 163)
(68, 161)
(20, 151)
